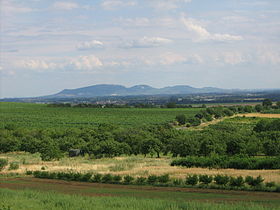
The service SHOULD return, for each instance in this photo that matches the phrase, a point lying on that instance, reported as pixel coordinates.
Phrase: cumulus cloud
(88, 62)
(64, 5)
(36, 64)
(115, 4)
(147, 42)
(201, 34)
(94, 44)
(166, 4)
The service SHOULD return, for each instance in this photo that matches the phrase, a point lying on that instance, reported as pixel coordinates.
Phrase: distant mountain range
(119, 90)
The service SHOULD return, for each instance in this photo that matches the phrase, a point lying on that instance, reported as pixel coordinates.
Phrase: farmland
(42, 116)
(138, 142)
(52, 194)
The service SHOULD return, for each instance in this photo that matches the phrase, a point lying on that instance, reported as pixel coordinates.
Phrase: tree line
(108, 140)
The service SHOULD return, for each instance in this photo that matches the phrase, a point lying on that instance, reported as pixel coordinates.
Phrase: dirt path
(259, 115)
(205, 124)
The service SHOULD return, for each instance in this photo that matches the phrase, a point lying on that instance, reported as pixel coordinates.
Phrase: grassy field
(31, 193)
(39, 115)
(133, 165)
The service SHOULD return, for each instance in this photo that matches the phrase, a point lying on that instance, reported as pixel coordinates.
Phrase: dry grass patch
(134, 165)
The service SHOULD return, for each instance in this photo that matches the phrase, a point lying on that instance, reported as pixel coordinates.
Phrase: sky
(50, 45)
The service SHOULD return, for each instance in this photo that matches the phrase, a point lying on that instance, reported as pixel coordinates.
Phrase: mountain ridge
(120, 90)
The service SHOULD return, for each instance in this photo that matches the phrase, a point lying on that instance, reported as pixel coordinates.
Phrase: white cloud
(63, 5)
(94, 44)
(266, 56)
(36, 64)
(88, 62)
(147, 42)
(135, 22)
(233, 58)
(171, 58)
(201, 34)
(8, 7)
(116, 4)
(167, 4)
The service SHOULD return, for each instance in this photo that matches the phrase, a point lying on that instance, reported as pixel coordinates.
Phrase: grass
(40, 116)
(126, 165)
(50, 194)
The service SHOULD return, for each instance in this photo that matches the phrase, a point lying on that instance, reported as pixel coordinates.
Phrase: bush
(177, 181)
(85, 177)
(14, 166)
(128, 179)
(117, 179)
(141, 180)
(236, 182)
(3, 163)
(254, 181)
(152, 179)
(97, 178)
(191, 179)
(221, 180)
(164, 178)
(181, 119)
(28, 172)
(270, 184)
(235, 162)
(107, 178)
(205, 179)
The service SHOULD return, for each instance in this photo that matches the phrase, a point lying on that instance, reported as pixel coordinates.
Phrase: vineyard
(41, 116)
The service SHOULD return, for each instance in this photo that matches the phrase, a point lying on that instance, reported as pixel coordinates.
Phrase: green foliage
(267, 102)
(254, 181)
(192, 179)
(117, 179)
(235, 162)
(181, 119)
(236, 181)
(221, 179)
(3, 163)
(140, 180)
(163, 178)
(152, 179)
(97, 178)
(205, 179)
(128, 179)
(14, 166)
(107, 178)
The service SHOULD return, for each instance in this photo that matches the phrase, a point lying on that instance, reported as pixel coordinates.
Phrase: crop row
(200, 181)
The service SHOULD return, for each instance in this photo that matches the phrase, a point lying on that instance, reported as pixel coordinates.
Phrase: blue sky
(50, 45)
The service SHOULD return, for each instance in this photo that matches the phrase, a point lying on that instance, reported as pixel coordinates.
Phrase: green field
(49, 194)
(41, 116)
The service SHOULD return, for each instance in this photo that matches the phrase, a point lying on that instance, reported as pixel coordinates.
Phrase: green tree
(181, 119)
(267, 102)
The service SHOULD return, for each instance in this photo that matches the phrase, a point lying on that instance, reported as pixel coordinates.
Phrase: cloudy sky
(50, 45)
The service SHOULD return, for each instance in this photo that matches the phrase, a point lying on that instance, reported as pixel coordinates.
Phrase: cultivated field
(53, 194)
(59, 128)
(42, 116)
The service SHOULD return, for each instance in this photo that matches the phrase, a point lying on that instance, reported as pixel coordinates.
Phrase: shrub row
(100, 178)
(234, 162)
(4, 163)
(201, 181)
